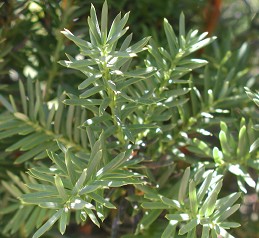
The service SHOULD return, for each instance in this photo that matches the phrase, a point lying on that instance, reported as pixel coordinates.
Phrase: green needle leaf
(193, 198)
(101, 200)
(189, 226)
(48, 224)
(70, 166)
(184, 185)
(170, 230)
(60, 187)
(80, 182)
(104, 21)
(63, 221)
(205, 231)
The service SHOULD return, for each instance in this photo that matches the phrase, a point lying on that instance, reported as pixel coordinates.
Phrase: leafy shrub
(147, 125)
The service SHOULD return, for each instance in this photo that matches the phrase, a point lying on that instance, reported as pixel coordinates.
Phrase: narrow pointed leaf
(63, 221)
(70, 167)
(60, 187)
(183, 186)
(189, 226)
(101, 200)
(48, 224)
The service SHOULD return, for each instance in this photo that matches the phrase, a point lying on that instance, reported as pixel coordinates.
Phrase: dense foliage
(127, 131)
